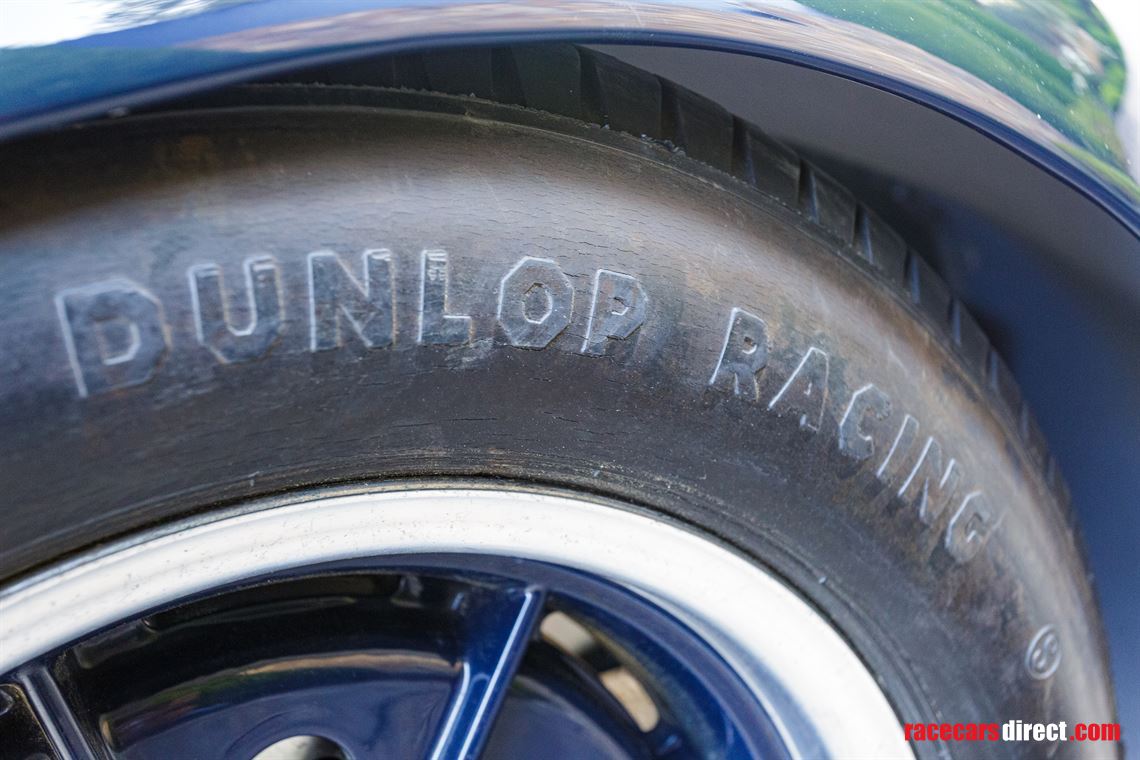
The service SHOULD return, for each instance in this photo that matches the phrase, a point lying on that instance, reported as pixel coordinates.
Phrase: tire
(293, 285)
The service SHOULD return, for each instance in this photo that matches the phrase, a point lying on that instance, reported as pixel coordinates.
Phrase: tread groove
(742, 161)
(808, 200)
(861, 234)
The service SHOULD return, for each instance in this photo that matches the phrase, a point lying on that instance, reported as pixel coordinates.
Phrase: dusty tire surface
(306, 285)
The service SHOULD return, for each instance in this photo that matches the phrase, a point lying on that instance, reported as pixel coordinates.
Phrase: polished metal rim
(821, 698)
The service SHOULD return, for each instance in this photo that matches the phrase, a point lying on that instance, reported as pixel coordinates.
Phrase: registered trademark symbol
(1044, 653)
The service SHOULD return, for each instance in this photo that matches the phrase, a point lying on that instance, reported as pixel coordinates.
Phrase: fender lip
(52, 85)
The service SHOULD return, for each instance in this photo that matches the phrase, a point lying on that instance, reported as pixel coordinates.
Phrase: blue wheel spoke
(498, 630)
(55, 714)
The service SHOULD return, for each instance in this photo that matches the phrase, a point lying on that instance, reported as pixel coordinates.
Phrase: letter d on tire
(114, 334)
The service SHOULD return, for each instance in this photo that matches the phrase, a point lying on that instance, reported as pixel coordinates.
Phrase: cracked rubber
(483, 170)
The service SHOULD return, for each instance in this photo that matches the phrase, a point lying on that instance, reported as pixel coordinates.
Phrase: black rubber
(785, 374)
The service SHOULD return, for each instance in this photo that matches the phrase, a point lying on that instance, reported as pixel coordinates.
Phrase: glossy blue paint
(499, 626)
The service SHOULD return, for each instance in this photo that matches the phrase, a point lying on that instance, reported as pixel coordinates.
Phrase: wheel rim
(734, 662)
